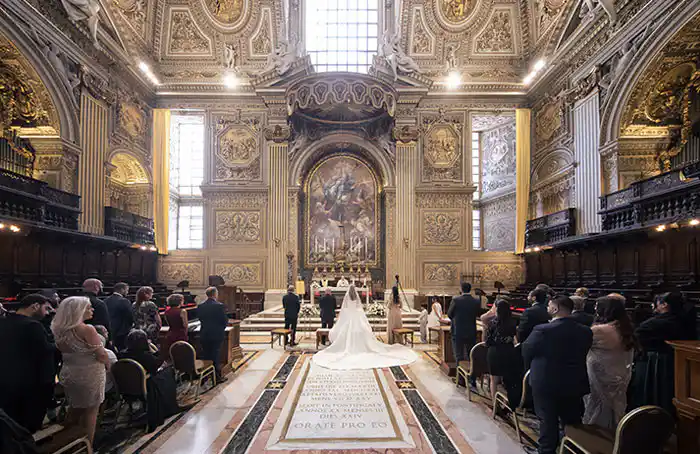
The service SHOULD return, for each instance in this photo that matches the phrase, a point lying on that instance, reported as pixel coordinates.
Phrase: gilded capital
(405, 133)
(277, 133)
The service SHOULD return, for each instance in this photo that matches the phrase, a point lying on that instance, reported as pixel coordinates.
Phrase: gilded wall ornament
(237, 146)
(185, 37)
(549, 120)
(498, 36)
(238, 227)
(127, 170)
(176, 272)
(443, 148)
(132, 120)
(405, 133)
(239, 273)
(277, 133)
(441, 273)
(441, 228)
(237, 150)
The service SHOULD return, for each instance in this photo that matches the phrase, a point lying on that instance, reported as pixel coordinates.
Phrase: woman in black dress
(501, 355)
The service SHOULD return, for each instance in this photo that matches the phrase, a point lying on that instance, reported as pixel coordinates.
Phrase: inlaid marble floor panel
(247, 414)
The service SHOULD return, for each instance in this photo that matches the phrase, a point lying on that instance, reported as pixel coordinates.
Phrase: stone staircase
(263, 322)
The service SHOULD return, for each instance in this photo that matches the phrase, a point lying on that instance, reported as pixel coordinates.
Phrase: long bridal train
(353, 345)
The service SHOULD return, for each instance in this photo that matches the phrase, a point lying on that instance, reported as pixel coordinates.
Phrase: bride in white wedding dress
(353, 344)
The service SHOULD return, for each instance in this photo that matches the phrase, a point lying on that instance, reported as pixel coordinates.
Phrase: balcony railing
(25, 199)
(551, 228)
(666, 198)
(128, 226)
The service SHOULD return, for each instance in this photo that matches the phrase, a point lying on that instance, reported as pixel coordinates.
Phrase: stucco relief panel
(441, 274)
(442, 228)
(184, 37)
(240, 273)
(550, 121)
(137, 13)
(510, 274)
(237, 150)
(442, 154)
(498, 37)
(422, 40)
(546, 14)
(498, 158)
(262, 41)
(173, 272)
(238, 227)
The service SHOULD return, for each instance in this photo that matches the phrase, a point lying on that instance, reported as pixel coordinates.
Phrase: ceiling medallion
(456, 13)
(229, 14)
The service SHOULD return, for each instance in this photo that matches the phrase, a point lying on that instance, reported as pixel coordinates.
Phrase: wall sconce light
(694, 222)
(660, 228)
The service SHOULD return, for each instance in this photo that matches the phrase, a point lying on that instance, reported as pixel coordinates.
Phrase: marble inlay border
(248, 428)
(433, 430)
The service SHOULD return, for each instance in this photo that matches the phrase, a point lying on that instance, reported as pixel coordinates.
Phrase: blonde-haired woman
(85, 361)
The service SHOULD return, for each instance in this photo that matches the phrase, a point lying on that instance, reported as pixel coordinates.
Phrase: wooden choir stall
(687, 394)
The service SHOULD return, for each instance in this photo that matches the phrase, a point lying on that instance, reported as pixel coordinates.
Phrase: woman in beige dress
(393, 315)
(85, 362)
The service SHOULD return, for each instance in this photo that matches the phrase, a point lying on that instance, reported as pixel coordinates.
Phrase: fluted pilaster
(406, 215)
(587, 156)
(278, 217)
(91, 165)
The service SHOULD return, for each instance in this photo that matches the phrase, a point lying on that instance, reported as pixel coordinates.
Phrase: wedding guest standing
(146, 316)
(502, 357)
(579, 314)
(176, 317)
(609, 364)
(212, 333)
(463, 312)
(394, 320)
(423, 323)
(534, 315)
(121, 318)
(328, 306)
(92, 288)
(27, 358)
(85, 361)
(292, 306)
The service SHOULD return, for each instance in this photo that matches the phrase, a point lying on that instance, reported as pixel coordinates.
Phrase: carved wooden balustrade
(128, 226)
(551, 228)
(666, 198)
(32, 201)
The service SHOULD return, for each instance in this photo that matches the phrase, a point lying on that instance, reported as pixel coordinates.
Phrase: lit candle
(315, 244)
(333, 245)
(324, 244)
(366, 249)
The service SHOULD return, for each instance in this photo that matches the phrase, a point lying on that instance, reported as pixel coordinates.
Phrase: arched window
(341, 35)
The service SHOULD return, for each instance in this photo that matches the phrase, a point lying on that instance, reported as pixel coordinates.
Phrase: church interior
(202, 198)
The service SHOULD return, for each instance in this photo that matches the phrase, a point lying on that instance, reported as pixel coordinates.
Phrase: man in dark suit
(27, 358)
(212, 331)
(555, 353)
(121, 318)
(328, 305)
(92, 288)
(463, 312)
(535, 315)
(579, 314)
(292, 306)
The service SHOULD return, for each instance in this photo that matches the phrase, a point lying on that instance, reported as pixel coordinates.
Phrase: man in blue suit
(463, 312)
(555, 353)
(534, 315)
(212, 332)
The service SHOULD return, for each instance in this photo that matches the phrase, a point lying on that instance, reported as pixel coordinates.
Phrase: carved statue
(84, 10)
(607, 5)
(396, 57)
(452, 60)
(229, 56)
(281, 59)
(69, 78)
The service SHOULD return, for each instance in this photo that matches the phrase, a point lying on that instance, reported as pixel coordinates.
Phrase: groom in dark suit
(328, 306)
(291, 305)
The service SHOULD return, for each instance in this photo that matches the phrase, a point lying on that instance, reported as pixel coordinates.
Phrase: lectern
(687, 394)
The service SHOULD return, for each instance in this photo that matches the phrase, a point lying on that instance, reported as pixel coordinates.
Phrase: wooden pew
(687, 394)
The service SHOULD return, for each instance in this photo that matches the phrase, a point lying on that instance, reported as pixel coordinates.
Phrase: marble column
(406, 215)
(588, 170)
(277, 244)
(94, 130)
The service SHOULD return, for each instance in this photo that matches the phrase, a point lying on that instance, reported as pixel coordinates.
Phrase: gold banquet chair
(477, 367)
(130, 379)
(643, 430)
(501, 401)
(185, 362)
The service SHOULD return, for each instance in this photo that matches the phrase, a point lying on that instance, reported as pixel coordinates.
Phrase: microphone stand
(400, 287)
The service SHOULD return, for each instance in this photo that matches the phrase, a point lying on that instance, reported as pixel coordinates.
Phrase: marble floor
(245, 414)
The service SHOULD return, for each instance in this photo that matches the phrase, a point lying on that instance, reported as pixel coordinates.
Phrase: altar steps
(269, 320)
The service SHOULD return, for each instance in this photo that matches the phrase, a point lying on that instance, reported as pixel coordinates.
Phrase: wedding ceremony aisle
(281, 402)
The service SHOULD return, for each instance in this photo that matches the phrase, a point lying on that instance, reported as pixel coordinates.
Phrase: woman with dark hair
(176, 317)
(138, 348)
(500, 339)
(609, 364)
(394, 320)
(146, 316)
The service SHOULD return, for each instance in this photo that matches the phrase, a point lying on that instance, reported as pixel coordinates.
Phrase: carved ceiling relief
(226, 11)
(546, 14)
(442, 228)
(185, 38)
(240, 273)
(498, 37)
(136, 13)
(238, 227)
(456, 12)
(422, 41)
(262, 40)
(498, 158)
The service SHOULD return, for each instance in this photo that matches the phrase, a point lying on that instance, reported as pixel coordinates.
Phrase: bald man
(92, 288)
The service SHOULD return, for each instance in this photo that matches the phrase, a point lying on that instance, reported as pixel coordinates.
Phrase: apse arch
(618, 98)
(351, 143)
(62, 99)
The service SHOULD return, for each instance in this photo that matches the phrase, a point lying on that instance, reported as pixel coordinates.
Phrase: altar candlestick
(366, 249)
(333, 245)
(315, 244)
